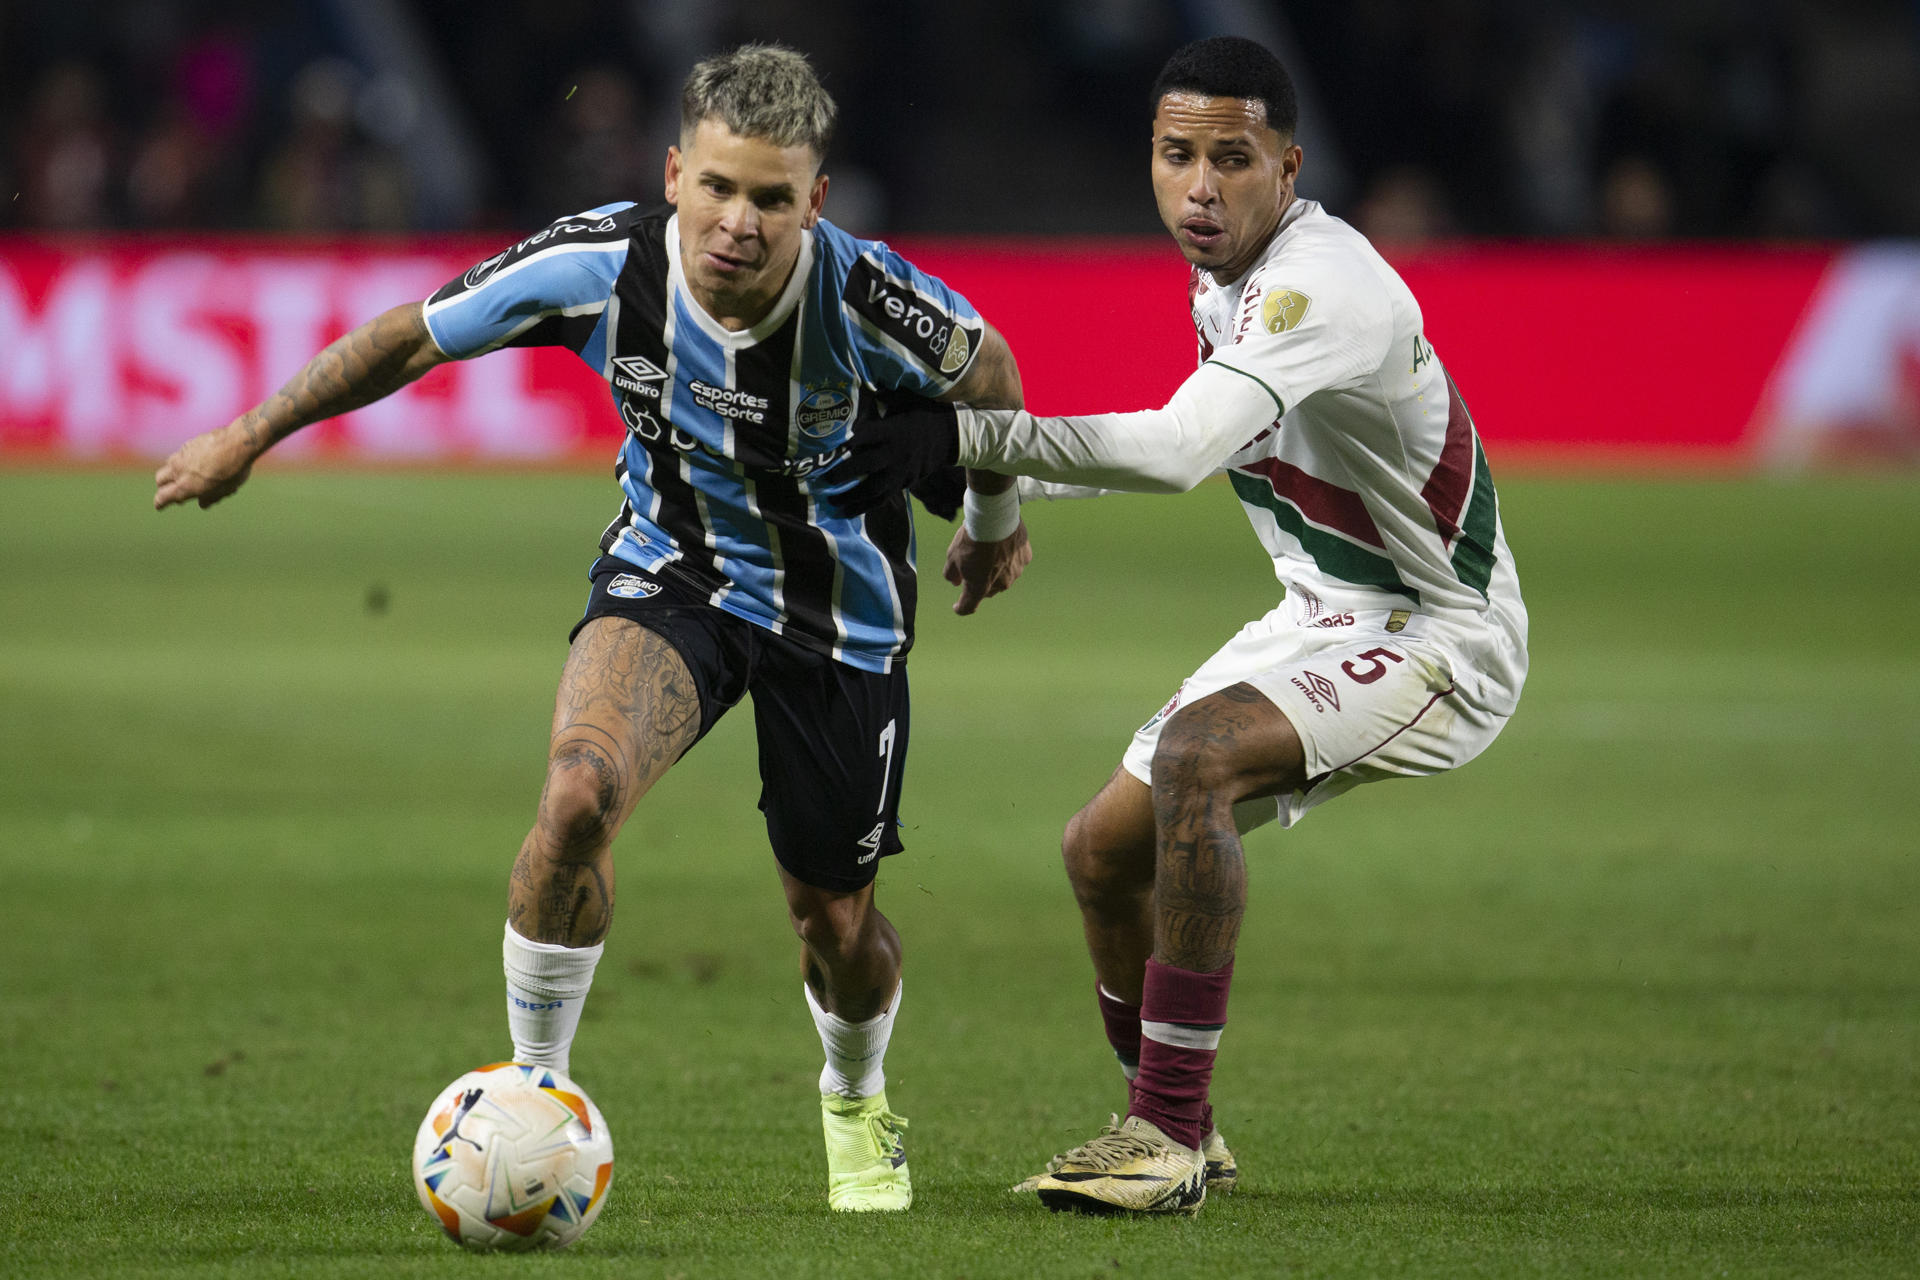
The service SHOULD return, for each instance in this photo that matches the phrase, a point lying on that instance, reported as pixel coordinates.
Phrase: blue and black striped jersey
(728, 432)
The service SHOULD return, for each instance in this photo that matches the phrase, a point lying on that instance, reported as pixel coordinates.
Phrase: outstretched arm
(375, 360)
(1213, 414)
(986, 568)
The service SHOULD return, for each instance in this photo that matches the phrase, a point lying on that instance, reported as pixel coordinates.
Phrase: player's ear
(1290, 161)
(815, 199)
(673, 175)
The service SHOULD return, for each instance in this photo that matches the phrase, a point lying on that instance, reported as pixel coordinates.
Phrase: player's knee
(830, 924)
(581, 806)
(1190, 762)
(1096, 868)
(1108, 862)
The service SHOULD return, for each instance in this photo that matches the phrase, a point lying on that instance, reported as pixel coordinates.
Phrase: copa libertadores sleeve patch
(922, 326)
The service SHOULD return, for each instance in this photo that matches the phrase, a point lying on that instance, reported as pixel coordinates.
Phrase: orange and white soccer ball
(513, 1157)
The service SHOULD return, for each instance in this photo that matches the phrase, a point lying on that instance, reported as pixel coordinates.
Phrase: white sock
(546, 987)
(854, 1049)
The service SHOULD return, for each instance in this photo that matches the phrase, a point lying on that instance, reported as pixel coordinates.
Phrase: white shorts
(1371, 696)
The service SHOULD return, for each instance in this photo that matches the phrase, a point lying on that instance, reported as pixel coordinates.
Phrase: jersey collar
(1295, 212)
(767, 324)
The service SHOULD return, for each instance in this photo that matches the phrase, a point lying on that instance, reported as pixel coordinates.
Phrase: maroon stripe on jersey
(1193, 296)
(1452, 479)
(1327, 505)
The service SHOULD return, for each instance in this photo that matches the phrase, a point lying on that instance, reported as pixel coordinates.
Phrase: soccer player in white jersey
(742, 335)
(1398, 648)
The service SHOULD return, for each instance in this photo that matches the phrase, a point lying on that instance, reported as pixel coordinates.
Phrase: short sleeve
(907, 329)
(547, 290)
(1304, 330)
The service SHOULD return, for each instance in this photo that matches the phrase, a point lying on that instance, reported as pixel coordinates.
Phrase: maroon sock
(1123, 1028)
(1180, 1019)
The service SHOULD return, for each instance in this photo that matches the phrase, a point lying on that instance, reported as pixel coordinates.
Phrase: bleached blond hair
(760, 91)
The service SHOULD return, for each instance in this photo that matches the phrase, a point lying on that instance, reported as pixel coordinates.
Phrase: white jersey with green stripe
(1347, 442)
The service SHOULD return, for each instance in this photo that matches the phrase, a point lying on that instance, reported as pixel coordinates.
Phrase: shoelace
(1111, 1149)
(891, 1126)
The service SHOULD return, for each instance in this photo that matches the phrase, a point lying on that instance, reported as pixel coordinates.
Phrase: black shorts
(833, 738)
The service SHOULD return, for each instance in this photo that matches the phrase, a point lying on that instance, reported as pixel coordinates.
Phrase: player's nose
(1202, 187)
(741, 220)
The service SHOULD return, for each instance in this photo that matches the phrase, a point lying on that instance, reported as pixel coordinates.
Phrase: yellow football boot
(866, 1160)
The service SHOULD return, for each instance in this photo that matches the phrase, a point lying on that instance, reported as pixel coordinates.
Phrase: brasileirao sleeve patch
(920, 325)
(1283, 309)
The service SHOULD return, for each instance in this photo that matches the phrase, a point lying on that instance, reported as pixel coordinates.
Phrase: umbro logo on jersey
(1318, 689)
(639, 375)
(631, 586)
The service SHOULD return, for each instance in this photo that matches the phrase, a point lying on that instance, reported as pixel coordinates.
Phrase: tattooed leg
(626, 710)
(1226, 747)
(1223, 748)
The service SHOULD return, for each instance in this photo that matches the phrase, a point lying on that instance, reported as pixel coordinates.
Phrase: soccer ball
(513, 1157)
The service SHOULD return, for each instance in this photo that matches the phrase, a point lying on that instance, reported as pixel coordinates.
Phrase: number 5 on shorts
(1367, 676)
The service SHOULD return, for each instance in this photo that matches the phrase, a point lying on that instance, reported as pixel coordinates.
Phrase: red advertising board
(119, 348)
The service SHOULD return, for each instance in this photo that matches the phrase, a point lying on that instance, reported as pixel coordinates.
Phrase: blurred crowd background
(1633, 119)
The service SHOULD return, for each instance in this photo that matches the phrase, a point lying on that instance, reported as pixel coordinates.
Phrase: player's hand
(205, 469)
(982, 569)
(942, 492)
(898, 451)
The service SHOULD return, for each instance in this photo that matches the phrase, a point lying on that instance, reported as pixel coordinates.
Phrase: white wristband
(992, 517)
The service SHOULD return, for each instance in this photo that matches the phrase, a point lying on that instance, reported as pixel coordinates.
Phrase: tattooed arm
(992, 382)
(373, 361)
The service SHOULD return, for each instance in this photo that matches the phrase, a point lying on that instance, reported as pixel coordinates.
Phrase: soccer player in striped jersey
(742, 336)
(1399, 645)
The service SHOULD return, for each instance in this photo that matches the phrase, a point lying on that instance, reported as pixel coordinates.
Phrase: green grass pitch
(1637, 993)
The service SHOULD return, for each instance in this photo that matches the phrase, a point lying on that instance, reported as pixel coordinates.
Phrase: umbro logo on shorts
(629, 586)
(1317, 688)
